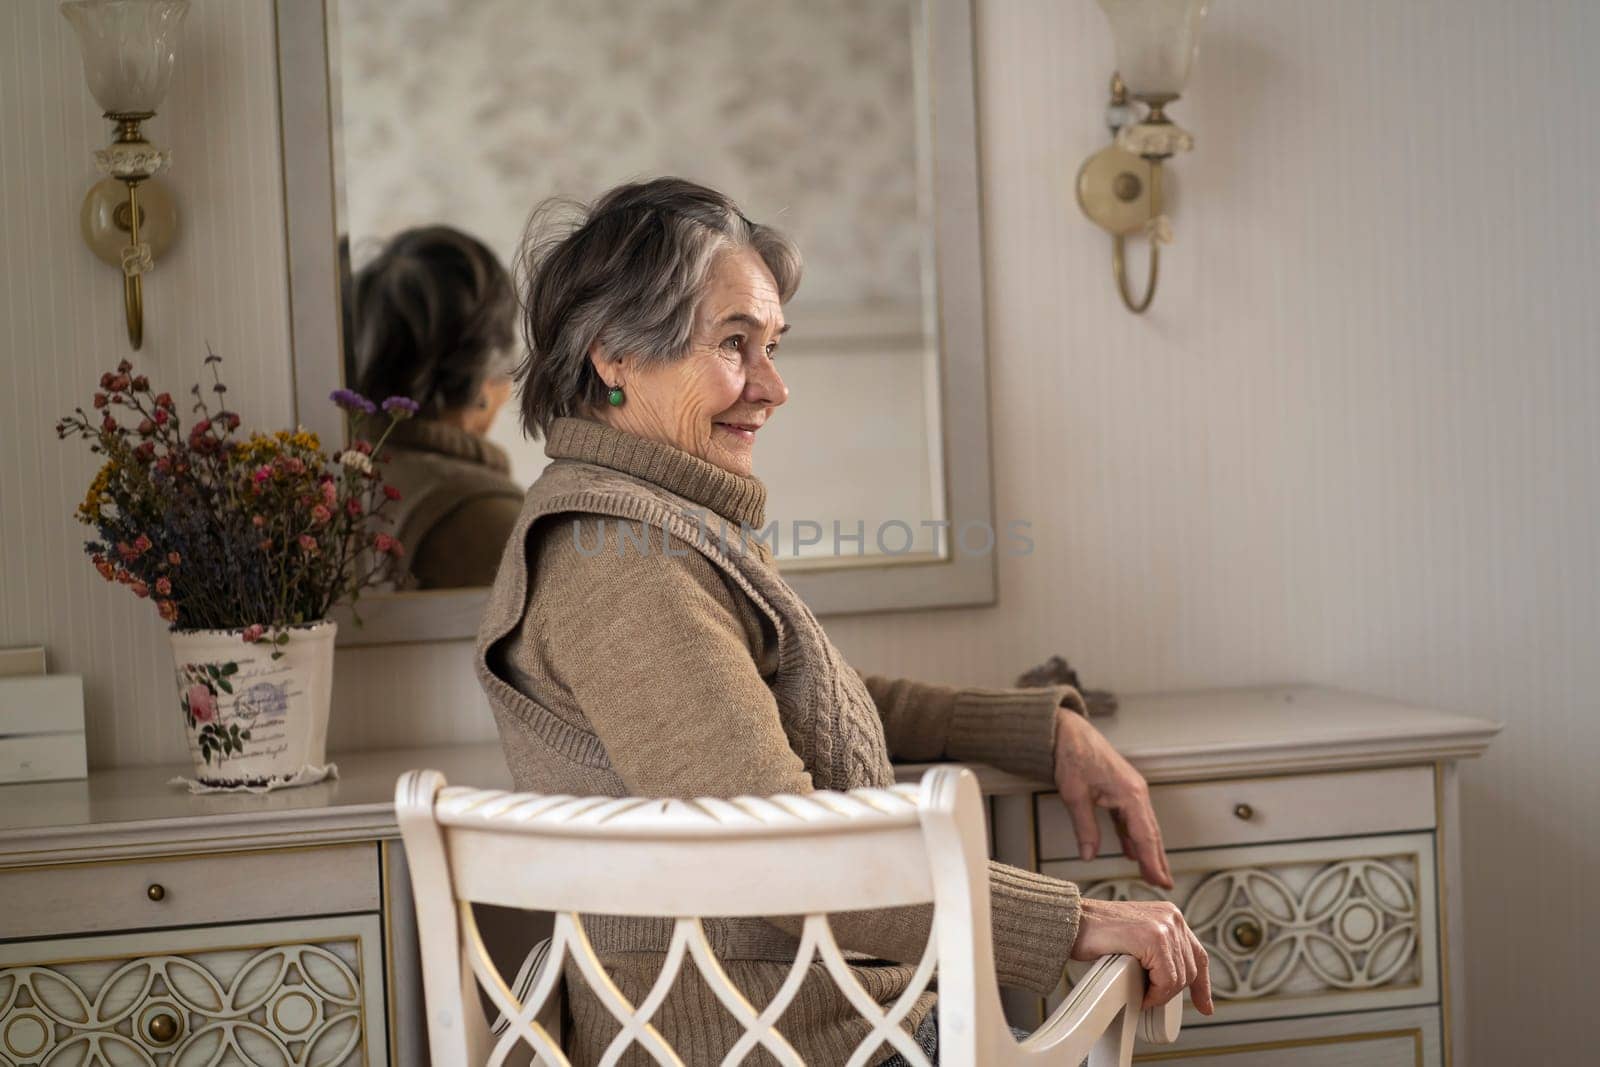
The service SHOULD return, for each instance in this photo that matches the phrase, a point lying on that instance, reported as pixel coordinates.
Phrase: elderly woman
(435, 320)
(639, 640)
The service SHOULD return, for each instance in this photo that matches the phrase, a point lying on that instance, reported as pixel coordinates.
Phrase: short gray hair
(630, 272)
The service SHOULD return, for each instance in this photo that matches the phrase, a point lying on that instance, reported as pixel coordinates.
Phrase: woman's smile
(743, 431)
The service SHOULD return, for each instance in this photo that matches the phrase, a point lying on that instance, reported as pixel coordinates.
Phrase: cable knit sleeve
(1033, 921)
(1013, 729)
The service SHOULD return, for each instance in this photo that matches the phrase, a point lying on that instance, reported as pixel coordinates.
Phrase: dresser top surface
(1172, 736)
(135, 809)
(1269, 730)
(1282, 729)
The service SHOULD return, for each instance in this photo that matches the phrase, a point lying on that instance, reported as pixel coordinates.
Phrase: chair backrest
(796, 855)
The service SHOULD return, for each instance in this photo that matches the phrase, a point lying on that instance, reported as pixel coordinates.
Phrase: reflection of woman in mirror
(643, 643)
(435, 320)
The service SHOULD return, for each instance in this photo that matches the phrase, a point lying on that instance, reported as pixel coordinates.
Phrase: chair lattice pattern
(519, 1015)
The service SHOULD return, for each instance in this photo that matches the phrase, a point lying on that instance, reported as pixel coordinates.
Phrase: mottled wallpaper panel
(472, 111)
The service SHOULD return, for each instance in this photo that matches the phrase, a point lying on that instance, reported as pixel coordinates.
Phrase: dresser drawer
(1242, 811)
(301, 993)
(188, 890)
(1307, 928)
(1408, 1038)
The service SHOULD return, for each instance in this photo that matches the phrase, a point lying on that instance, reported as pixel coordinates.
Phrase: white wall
(1350, 444)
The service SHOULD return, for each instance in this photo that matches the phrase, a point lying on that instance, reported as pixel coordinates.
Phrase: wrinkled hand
(1154, 933)
(1090, 773)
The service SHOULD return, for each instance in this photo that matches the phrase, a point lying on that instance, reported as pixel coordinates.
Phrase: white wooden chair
(797, 855)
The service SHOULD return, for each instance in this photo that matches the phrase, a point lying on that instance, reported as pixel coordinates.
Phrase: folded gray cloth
(1057, 671)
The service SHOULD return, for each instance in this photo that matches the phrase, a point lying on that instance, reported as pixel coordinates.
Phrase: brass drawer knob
(162, 1028)
(1247, 934)
(156, 892)
(1244, 811)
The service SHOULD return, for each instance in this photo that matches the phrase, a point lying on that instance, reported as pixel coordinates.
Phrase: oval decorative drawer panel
(306, 993)
(1298, 929)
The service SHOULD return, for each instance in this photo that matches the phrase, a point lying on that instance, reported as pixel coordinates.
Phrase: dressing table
(1315, 840)
(1314, 836)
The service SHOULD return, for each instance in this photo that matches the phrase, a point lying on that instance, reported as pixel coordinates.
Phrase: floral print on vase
(201, 686)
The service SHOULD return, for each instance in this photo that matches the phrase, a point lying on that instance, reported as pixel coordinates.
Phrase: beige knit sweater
(638, 643)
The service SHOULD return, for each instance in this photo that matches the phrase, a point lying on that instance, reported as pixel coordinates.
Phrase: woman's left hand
(1089, 774)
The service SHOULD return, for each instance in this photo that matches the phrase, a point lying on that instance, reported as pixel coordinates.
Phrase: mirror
(847, 125)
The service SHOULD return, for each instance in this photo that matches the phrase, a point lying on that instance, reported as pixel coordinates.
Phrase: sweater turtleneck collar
(735, 497)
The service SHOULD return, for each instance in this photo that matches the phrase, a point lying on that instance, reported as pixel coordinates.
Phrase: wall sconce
(1119, 187)
(129, 47)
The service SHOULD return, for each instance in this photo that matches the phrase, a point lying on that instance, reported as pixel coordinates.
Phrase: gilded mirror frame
(849, 585)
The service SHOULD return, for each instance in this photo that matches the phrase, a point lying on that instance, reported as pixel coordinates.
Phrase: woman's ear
(603, 365)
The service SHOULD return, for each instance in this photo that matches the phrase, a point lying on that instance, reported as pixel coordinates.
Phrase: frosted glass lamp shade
(129, 47)
(1155, 42)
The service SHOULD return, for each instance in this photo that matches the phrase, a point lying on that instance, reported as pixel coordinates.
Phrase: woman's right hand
(1154, 933)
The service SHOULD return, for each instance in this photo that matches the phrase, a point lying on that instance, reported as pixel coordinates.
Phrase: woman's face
(477, 417)
(713, 401)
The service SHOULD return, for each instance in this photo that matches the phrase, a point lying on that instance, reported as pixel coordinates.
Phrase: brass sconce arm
(1119, 265)
(128, 220)
(1120, 187)
(135, 260)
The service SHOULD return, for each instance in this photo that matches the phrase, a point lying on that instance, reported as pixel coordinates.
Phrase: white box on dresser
(1313, 838)
(41, 726)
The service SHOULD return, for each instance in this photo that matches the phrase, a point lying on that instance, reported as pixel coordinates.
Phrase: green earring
(615, 397)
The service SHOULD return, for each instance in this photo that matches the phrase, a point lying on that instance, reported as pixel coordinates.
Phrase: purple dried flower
(401, 407)
(351, 400)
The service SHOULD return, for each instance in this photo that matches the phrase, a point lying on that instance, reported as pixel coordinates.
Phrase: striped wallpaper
(1353, 442)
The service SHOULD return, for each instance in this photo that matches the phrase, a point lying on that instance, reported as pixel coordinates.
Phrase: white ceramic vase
(254, 721)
